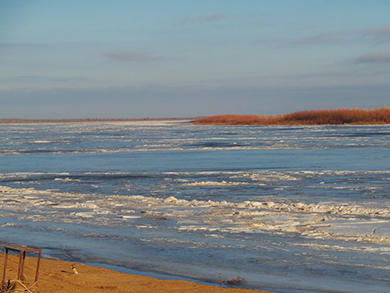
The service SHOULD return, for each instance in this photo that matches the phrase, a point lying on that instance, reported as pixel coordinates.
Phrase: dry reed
(319, 117)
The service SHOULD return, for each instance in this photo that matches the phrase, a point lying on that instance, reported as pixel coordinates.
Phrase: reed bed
(318, 117)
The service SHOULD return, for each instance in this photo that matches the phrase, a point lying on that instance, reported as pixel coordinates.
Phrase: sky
(171, 58)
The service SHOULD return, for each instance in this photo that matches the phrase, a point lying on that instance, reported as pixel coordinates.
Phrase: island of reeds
(320, 117)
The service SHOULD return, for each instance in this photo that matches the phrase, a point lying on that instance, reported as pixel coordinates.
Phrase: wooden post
(5, 267)
(38, 262)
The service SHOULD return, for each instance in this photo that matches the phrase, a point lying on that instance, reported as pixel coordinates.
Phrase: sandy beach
(57, 276)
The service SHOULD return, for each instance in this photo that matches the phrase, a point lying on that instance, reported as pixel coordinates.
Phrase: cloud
(377, 57)
(129, 56)
(20, 48)
(135, 102)
(311, 40)
(21, 45)
(379, 34)
(328, 38)
(203, 19)
(35, 79)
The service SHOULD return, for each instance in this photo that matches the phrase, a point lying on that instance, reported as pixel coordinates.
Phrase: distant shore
(16, 120)
(57, 276)
(321, 117)
(317, 117)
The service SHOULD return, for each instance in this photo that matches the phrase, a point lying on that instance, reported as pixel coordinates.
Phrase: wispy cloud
(130, 56)
(203, 19)
(320, 39)
(379, 34)
(35, 79)
(314, 40)
(377, 57)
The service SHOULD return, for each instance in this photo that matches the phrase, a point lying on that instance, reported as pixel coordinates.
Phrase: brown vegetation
(334, 117)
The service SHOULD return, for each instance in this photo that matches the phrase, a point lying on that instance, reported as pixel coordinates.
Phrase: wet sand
(57, 276)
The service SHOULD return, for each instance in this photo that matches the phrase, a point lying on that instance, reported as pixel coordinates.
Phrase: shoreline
(88, 120)
(354, 116)
(57, 276)
(193, 121)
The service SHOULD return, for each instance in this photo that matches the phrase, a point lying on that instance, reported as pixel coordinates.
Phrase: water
(291, 209)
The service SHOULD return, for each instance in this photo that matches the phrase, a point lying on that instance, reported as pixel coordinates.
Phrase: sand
(57, 277)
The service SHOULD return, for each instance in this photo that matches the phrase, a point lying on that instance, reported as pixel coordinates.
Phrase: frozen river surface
(287, 208)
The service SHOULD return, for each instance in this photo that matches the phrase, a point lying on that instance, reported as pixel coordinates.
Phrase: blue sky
(118, 59)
